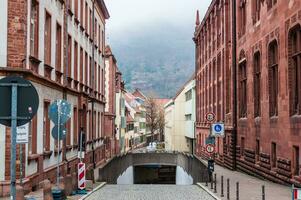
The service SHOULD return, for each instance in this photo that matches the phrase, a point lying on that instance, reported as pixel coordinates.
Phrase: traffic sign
(210, 117)
(22, 134)
(60, 110)
(27, 100)
(218, 130)
(210, 148)
(55, 134)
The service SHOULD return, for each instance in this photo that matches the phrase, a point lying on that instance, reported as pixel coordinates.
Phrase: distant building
(52, 44)
(180, 119)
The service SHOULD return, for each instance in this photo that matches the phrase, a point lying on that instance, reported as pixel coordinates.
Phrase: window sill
(75, 146)
(76, 21)
(56, 151)
(274, 119)
(47, 154)
(32, 157)
(34, 59)
(81, 28)
(68, 147)
(70, 12)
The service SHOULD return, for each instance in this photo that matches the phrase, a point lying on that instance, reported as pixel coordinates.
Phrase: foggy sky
(127, 15)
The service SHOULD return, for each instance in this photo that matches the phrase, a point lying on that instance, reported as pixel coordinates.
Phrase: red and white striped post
(296, 193)
(81, 176)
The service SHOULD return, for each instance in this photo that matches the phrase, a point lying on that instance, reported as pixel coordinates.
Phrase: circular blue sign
(60, 111)
(218, 128)
(55, 134)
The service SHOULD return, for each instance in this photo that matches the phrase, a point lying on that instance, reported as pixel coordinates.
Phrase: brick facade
(56, 79)
(268, 117)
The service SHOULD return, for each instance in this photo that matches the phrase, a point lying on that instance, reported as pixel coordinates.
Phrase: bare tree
(151, 115)
(161, 123)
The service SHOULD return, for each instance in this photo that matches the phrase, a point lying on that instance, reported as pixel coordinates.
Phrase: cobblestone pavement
(250, 187)
(150, 192)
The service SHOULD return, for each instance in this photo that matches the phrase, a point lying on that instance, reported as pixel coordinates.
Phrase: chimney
(197, 21)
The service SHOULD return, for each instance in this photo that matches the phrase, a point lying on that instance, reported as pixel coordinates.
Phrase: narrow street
(150, 192)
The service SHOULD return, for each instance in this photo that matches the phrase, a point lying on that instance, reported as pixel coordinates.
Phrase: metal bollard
(237, 190)
(263, 192)
(222, 186)
(228, 189)
(215, 191)
(211, 184)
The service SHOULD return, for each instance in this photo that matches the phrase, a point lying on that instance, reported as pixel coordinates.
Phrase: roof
(103, 8)
(161, 102)
(138, 93)
(183, 87)
(129, 118)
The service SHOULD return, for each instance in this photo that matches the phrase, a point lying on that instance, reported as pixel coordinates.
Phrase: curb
(94, 190)
(208, 191)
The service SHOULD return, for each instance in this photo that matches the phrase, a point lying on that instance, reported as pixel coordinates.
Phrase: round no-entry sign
(210, 148)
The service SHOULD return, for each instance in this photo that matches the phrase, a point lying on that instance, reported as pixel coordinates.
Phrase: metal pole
(237, 190)
(211, 183)
(215, 191)
(228, 189)
(263, 192)
(58, 144)
(222, 186)
(80, 145)
(13, 141)
(21, 165)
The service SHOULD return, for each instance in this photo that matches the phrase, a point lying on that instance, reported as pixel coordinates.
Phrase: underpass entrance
(155, 174)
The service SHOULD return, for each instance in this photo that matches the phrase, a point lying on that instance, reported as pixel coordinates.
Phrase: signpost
(19, 104)
(59, 114)
(210, 117)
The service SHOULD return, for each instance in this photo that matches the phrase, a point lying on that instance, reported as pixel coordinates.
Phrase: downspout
(234, 82)
(93, 82)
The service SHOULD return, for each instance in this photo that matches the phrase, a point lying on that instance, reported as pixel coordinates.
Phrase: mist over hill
(156, 58)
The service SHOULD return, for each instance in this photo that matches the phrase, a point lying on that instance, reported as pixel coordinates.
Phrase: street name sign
(22, 134)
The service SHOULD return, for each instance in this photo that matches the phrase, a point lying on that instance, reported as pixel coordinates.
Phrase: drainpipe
(234, 82)
(93, 82)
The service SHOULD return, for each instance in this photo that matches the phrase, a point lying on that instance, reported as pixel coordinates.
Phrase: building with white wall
(180, 119)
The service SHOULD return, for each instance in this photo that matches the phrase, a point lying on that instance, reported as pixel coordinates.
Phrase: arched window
(256, 82)
(295, 70)
(273, 78)
(242, 86)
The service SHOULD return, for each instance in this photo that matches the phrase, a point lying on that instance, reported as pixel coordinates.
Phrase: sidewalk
(249, 187)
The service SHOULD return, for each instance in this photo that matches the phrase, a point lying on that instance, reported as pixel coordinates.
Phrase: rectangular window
(256, 6)
(90, 71)
(32, 136)
(91, 22)
(188, 95)
(102, 42)
(34, 28)
(86, 17)
(68, 136)
(295, 70)
(58, 51)
(69, 73)
(81, 67)
(273, 78)
(242, 16)
(257, 88)
(75, 60)
(75, 126)
(90, 125)
(46, 127)
(86, 68)
(271, 3)
(296, 162)
(76, 8)
(47, 39)
(99, 37)
(82, 12)
(273, 155)
(243, 89)
(188, 117)
(98, 125)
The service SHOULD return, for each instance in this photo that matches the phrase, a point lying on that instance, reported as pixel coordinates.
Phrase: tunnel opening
(155, 174)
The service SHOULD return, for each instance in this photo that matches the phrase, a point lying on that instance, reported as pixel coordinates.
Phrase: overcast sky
(130, 14)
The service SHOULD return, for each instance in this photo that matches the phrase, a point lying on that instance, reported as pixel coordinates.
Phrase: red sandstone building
(268, 88)
(59, 46)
